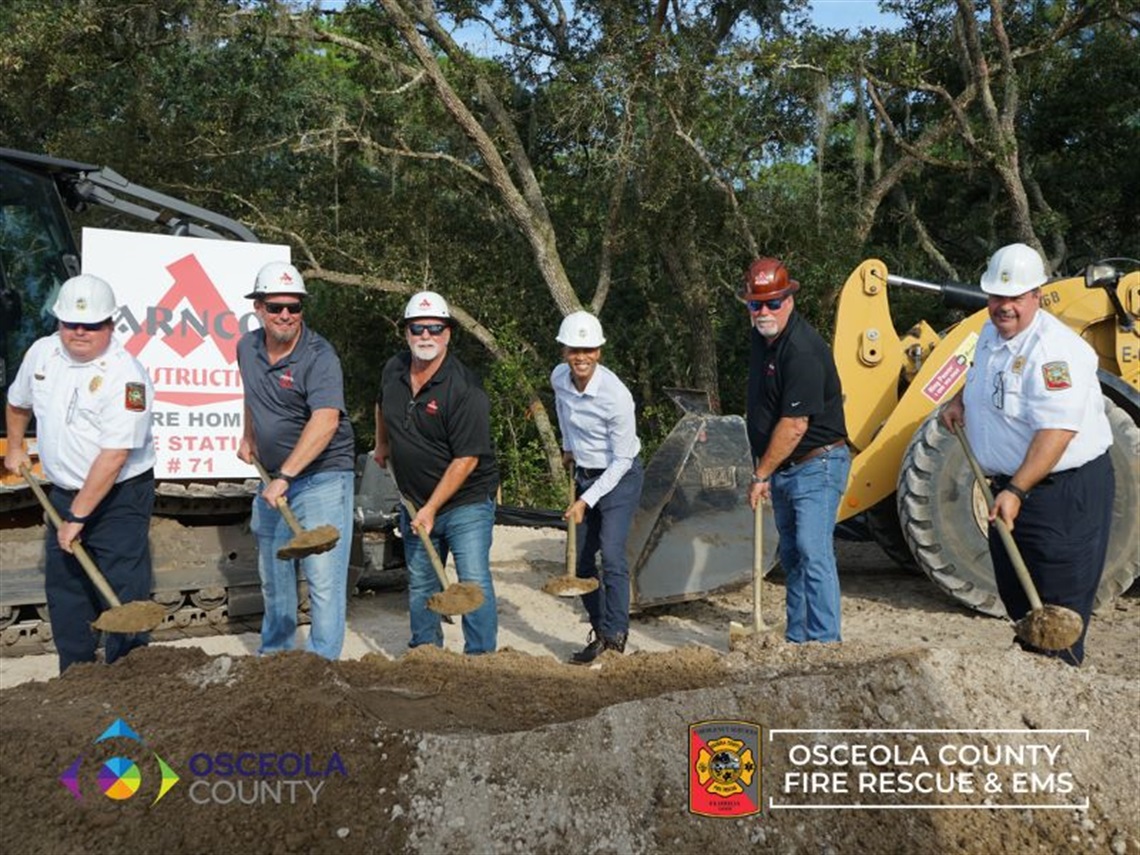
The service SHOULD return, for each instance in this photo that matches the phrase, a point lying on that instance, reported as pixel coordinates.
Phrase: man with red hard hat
(797, 435)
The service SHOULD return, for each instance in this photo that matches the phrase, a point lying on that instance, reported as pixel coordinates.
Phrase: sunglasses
(278, 308)
(420, 329)
(75, 325)
(773, 305)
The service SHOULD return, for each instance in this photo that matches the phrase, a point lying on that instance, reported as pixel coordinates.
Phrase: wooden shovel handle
(572, 537)
(85, 561)
(282, 504)
(425, 539)
(1003, 530)
(757, 566)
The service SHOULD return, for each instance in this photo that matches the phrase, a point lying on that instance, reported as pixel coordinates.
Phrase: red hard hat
(767, 279)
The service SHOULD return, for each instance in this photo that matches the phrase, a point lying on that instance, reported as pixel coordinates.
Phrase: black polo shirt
(794, 375)
(449, 418)
(281, 398)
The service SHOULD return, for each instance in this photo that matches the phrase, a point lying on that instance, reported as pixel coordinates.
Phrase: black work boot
(615, 642)
(590, 652)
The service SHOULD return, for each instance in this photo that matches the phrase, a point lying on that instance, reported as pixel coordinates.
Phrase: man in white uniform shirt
(599, 439)
(1033, 413)
(92, 403)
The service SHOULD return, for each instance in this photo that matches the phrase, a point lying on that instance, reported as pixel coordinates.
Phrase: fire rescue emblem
(724, 773)
(135, 398)
(1018, 365)
(94, 385)
(1057, 376)
(285, 381)
(432, 407)
(81, 305)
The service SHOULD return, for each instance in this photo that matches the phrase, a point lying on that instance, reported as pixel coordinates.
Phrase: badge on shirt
(135, 399)
(1018, 365)
(94, 385)
(432, 407)
(1057, 376)
(285, 381)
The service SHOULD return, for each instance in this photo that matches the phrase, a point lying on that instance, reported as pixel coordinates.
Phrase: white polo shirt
(82, 408)
(598, 426)
(1042, 378)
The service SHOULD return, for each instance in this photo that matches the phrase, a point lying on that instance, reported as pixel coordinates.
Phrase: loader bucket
(692, 534)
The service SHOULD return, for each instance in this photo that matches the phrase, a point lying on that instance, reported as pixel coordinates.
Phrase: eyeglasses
(278, 308)
(420, 329)
(999, 390)
(75, 325)
(773, 305)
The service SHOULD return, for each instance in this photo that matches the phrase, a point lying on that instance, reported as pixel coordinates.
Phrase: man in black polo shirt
(798, 439)
(434, 420)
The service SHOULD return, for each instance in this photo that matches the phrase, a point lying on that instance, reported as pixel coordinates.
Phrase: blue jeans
(605, 527)
(465, 532)
(324, 498)
(805, 501)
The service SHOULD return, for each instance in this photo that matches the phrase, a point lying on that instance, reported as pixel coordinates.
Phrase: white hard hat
(1013, 270)
(581, 329)
(84, 299)
(427, 304)
(277, 277)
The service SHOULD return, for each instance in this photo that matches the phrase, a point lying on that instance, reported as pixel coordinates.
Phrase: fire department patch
(724, 768)
(135, 398)
(94, 385)
(285, 381)
(1057, 376)
(432, 407)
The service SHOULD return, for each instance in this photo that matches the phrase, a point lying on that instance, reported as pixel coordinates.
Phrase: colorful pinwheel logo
(119, 778)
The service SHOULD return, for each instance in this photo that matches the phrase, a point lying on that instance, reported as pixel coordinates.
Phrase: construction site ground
(429, 751)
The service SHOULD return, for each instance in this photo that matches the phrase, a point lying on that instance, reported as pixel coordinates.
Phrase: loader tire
(943, 515)
(886, 530)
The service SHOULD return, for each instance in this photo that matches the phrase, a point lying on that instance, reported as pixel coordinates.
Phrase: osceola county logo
(119, 778)
(724, 775)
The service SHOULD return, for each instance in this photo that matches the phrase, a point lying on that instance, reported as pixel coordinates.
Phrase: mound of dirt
(509, 752)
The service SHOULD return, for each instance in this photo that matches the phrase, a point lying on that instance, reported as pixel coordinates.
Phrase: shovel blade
(1051, 628)
(310, 542)
(131, 618)
(569, 586)
(459, 598)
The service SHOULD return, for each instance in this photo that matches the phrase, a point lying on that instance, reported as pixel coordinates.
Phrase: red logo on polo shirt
(285, 381)
(432, 407)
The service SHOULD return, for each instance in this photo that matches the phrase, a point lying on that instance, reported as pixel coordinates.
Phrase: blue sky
(848, 14)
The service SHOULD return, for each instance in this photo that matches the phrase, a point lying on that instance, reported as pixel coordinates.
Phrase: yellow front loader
(909, 477)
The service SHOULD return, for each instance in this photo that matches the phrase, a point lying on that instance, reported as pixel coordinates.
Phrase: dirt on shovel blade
(565, 586)
(1051, 628)
(459, 599)
(138, 616)
(310, 542)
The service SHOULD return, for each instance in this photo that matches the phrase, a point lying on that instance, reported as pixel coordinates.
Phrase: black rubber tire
(942, 515)
(886, 530)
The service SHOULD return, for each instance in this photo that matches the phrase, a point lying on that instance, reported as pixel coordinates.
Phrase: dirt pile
(515, 753)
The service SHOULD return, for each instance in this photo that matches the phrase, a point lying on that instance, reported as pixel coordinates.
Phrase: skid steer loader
(909, 477)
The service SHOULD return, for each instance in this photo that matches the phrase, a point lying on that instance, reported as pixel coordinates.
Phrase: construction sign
(182, 309)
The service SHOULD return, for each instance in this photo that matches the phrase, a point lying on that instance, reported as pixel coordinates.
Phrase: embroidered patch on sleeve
(135, 398)
(1057, 376)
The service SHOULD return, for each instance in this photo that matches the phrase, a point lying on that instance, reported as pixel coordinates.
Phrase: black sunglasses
(773, 305)
(76, 325)
(419, 329)
(278, 308)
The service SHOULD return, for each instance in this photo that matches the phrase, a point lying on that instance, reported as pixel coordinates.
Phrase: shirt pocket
(1014, 403)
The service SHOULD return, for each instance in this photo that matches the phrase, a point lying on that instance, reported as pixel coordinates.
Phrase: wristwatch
(288, 479)
(756, 479)
(1017, 491)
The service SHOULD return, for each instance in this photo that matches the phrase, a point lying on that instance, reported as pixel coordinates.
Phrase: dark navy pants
(605, 527)
(117, 536)
(1062, 533)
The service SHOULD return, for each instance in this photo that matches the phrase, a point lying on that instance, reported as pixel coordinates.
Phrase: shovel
(456, 598)
(134, 617)
(738, 631)
(305, 541)
(570, 585)
(1047, 627)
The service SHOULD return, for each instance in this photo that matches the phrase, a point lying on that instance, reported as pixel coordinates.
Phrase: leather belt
(815, 452)
(582, 472)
